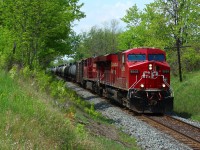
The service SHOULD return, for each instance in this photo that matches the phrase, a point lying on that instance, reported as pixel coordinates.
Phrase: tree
(180, 16)
(98, 41)
(41, 29)
(163, 23)
(144, 28)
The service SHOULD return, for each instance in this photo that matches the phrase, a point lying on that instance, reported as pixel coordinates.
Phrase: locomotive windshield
(136, 57)
(156, 57)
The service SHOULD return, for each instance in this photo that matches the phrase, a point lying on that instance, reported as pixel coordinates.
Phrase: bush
(191, 60)
(13, 71)
(186, 95)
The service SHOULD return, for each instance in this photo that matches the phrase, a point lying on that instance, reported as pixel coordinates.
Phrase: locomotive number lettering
(114, 64)
(123, 68)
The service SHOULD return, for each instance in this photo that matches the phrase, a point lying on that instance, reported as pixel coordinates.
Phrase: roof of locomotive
(106, 57)
(146, 50)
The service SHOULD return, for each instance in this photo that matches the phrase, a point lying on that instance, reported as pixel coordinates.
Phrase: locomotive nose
(154, 66)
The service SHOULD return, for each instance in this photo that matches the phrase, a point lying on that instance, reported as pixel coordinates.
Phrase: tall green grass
(26, 122)
(187, 95)
(29, 120)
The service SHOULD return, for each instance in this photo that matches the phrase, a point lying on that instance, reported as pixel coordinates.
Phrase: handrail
(145, 76)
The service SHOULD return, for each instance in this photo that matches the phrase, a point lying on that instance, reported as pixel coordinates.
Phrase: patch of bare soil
(103, 130)
(99, 129)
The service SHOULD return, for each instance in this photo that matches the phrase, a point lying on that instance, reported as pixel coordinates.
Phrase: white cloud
(100, 11)
(112, 11)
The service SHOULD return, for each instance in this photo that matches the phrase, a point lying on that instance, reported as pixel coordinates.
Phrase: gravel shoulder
(147, 137)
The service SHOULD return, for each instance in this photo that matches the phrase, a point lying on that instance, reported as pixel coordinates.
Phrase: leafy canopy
(41, 30)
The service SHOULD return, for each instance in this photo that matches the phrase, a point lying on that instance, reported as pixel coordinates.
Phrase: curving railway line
(183, 132)
(179, 130)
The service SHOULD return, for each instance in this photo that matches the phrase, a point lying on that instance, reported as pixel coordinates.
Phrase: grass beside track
(30, 120)
(187, 95)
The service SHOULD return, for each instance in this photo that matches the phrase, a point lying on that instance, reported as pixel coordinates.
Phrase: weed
(186, 93)
(28, 120)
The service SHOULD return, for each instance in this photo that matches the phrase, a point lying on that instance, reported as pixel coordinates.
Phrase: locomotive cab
(149, 81)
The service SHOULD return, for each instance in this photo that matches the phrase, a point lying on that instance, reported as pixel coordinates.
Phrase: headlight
(163, 85)
(150, 66)
(142, 85)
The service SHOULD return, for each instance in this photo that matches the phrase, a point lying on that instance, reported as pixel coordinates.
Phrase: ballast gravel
(147, 137)
(194, 123)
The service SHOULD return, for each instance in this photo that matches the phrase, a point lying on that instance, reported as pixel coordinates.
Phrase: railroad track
(183, 132)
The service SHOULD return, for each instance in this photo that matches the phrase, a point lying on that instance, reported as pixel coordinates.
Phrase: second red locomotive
(137, 78)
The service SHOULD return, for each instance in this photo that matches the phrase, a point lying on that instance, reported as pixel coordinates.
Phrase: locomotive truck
(137, 78)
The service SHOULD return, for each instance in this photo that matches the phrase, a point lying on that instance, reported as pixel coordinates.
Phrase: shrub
(13, 71)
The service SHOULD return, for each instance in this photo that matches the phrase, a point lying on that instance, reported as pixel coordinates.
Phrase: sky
(100, 11)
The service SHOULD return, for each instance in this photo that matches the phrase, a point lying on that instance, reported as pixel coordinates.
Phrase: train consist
(137, 78)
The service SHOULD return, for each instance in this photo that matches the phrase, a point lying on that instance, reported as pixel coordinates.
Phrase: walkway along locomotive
(137, 78)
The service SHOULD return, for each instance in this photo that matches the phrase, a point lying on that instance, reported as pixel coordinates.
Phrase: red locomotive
(138, 78)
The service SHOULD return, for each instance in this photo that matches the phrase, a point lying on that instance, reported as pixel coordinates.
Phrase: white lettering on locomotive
(114, 64)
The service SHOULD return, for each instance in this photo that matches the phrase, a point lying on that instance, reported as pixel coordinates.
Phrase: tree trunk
(179, 59)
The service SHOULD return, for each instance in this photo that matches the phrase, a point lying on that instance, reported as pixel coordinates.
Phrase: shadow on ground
(184, 114)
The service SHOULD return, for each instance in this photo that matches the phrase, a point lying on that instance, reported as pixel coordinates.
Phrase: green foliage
(165, 24)
(28, 120)
(191, 59)
(13, 72)
(80, 130)
(43, 80)
(145, 28)
(56, 88)
(6, 49)
(186, 93)
(181, 18)
(40, 30)
(98, 41)
(26, 72)
(92, 112)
